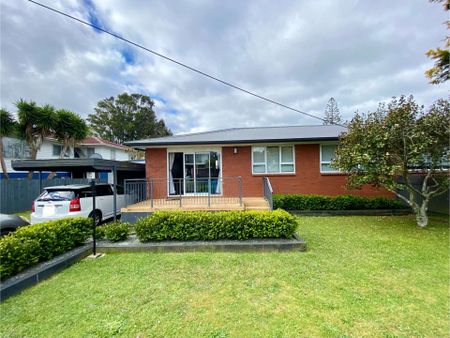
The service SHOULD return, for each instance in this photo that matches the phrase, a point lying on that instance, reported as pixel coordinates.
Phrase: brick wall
(156, 167)
(306, 180)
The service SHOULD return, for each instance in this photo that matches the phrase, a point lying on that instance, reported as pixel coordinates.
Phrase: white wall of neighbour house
(16, 149)
(46, 151)
(111, 153)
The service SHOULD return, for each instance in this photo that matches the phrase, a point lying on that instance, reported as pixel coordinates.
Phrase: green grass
(361, 276)
(25, 214)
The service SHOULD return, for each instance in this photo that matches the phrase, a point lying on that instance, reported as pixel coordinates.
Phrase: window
(90, 152)
(57, 148)
(15, 148)
(327, 154)
(273, 159)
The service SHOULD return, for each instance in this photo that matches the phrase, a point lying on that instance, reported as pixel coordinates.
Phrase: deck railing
(153, 192)
(267, 187)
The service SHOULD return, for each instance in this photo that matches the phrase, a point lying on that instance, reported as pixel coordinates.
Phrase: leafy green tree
(125, 118)
(390, 146)
(7, 127)
(69, 129)
(332, 114)
(35, 123)
(440, 72)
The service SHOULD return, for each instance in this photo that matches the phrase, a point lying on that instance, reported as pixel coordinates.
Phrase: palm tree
(35, 123)
(7, 126)
(69, 129)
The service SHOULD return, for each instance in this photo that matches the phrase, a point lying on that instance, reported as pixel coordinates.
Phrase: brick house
(294, 159)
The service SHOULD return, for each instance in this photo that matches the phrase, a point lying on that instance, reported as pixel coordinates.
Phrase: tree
(390, 146)
(440, 72)
(332, 114)
(69, 129)
(35, 123)
(125, 118)
(7, 127)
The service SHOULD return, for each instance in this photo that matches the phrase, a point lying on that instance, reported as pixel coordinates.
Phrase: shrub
(31, 244)
(342, 202)
(114, 231)
(204, 225)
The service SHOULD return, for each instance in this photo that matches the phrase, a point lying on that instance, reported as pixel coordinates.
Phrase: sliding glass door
(201, 173)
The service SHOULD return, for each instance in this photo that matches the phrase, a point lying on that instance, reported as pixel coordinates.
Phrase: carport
(78, 168)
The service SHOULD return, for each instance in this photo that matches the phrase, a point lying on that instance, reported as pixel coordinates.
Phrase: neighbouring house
(17, 149)
(244, 163)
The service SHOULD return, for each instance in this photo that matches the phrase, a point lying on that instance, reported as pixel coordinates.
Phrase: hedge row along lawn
(341, 202)
(35, 243)
(361, 276)
(204, 225)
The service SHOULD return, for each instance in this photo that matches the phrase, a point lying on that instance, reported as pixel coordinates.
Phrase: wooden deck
(199, 203)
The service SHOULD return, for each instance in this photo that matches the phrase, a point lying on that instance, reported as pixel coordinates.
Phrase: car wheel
(97, 216)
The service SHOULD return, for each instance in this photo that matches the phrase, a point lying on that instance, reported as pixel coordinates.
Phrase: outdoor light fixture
(235, 150)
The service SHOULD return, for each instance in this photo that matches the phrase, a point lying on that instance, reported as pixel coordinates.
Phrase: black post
(94, 235)
(115, 191)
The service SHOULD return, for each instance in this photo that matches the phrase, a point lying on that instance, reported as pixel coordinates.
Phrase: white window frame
(279, 172)
(321, 162)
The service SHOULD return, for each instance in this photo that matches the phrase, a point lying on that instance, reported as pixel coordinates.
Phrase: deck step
(256, 203)
(249, 203)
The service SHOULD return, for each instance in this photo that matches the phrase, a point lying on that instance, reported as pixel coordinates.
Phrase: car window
(57, 195)
(104, 190)
(120, 189)
(86, 193)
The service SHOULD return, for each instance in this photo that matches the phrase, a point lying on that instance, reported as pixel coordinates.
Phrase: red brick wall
(156, 167)
(306, 180)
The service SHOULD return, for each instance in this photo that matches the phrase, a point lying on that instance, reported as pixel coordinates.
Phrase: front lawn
(361, 276)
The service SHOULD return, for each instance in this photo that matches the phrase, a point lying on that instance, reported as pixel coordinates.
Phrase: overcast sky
(300, 53)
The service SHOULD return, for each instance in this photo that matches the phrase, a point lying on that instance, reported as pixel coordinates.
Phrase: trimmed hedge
(114, 231)
(204, 225)
(341, 202)
(31, 244)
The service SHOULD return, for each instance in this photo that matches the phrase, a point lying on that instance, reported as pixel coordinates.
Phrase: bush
(114, 231)
(342, 202)
(204, 225)
(31, 244)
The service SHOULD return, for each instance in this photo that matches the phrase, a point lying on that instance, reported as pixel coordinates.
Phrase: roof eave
(186, 143)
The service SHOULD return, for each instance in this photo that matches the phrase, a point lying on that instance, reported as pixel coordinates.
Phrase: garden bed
(368, 212)
(264, 244)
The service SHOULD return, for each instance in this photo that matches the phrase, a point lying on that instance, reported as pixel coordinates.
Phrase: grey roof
(78, 164)
(247, 135)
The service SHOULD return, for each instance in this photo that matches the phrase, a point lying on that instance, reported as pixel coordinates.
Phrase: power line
(177, 62)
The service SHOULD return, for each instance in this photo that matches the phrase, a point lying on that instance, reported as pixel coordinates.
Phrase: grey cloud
(300, 53)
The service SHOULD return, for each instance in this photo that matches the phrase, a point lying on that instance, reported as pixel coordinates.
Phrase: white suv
(76, 200)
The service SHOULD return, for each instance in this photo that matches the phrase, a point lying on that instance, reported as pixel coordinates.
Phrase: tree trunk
(51, 175)
(2, 161)
(421, 214)
(33, 157)
(61, 156)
